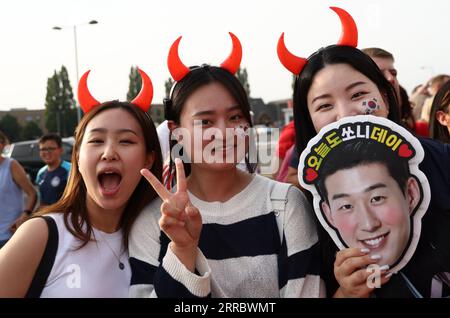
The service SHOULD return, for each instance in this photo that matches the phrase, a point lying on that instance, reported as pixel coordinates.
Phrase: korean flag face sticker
(370, 106)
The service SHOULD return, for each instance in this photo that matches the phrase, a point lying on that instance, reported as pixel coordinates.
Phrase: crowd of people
(216, 230)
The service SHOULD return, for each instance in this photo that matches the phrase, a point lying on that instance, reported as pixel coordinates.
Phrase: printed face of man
(369, 210)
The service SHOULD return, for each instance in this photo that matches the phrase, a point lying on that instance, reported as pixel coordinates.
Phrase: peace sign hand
(180, 220)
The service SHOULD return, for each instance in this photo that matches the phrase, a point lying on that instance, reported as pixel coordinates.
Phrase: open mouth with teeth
(109, 182)
(375, 242)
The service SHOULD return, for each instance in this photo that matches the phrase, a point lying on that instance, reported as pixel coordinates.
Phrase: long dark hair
(335, 54)
(441, 102)
(200, 76)
(73, 201)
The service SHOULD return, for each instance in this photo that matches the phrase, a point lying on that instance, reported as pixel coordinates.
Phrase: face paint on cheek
(370, 106)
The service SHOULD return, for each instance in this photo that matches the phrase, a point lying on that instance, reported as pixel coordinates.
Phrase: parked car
(27, 154)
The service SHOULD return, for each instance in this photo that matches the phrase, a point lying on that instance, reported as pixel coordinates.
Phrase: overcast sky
(140, 32)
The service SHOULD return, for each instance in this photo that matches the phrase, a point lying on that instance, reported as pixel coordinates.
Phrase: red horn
(87, 102)
(349, 35)
(176, 68)
(233, 61)
(293, 63)
(144, 99)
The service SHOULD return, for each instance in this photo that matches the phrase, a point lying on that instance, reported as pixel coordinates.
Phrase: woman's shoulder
(149, 215)
(436, 164)
(290, 197)
(31, 238)
(434, 146)
(36, 227)
(292, 193)
(21, 256)
(57, 217)
(152, 208)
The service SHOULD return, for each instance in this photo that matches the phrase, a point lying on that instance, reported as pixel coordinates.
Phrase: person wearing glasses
(52, 178)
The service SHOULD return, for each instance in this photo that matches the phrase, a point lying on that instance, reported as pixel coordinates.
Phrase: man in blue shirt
(52, 178)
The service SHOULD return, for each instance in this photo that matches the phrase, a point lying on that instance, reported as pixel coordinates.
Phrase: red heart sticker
(404, 151)
(311, 175)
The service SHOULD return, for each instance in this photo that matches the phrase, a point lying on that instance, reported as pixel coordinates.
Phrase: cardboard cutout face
(363, 172)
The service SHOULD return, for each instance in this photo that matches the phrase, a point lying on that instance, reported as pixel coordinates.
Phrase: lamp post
(74, 27)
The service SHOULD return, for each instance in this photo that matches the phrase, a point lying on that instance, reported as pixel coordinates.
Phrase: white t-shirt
(92, 271)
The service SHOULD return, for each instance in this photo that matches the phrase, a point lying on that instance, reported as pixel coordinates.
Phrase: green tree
(168, 86)
(243, 78)
(68, 113)
(135, 83)
(60, 110)
(11, 128)
(31, 130)
(51, 103)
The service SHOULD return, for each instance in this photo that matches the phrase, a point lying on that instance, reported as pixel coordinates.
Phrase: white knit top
(240, 253)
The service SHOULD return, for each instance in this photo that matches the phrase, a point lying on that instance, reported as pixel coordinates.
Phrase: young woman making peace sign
(220, 234)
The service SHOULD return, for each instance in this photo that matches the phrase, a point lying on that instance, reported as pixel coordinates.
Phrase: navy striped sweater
(241, 252)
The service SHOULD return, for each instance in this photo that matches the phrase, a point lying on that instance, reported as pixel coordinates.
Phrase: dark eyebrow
(237, 107)
(211, 112)
(339, 195)
(368, 189)
(320, 97)
(119, 131)
(349, 87)
(375, 186)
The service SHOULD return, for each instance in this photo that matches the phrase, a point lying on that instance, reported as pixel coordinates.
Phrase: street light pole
(76, 68)
(76, 56)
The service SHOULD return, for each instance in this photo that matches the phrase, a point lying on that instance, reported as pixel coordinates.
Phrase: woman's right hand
(180, 220)
(350, 270)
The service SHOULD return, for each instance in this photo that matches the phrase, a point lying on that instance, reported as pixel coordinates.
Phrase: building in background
(24, 115)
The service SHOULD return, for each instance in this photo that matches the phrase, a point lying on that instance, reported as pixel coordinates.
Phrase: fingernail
(384, 268)
(365, 250)
(177, 160)
(376, 256)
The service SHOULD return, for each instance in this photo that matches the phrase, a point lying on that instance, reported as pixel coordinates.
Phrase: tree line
(61, 107)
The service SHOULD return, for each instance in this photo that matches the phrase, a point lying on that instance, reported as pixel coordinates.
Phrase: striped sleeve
(299, 257)
(155, 270)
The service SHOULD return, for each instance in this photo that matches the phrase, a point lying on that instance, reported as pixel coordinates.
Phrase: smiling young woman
(221, 232)
(339, 81)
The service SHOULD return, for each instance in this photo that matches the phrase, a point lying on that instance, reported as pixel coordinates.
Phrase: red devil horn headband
(178, 70)
(349, 37)
(143, 100)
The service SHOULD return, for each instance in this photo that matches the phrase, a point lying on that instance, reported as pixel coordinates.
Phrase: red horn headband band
(349, 37)
(178, 70)
(143, 100)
